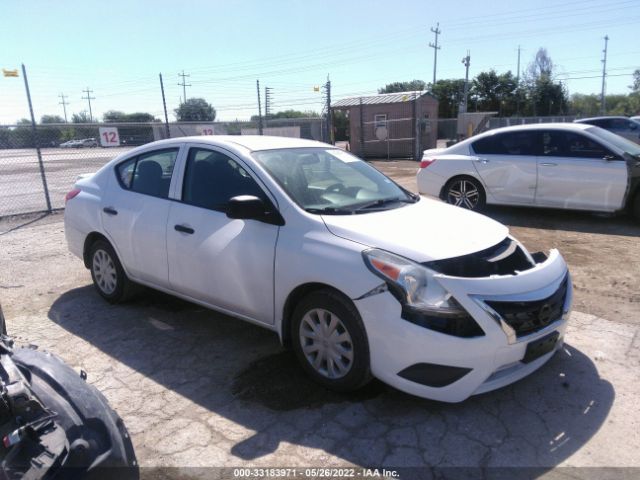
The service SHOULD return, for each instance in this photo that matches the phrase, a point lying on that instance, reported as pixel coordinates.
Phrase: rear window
(149, 173)
(509, 143)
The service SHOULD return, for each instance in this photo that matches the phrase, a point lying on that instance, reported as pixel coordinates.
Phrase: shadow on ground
(239, 372)
(568, 220)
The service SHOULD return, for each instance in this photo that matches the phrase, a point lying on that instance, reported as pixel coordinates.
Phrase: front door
(225, 262)
(575, 171)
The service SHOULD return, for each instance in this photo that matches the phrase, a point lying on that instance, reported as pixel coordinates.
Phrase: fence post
(35, 139)
(361, 130)
(164, 105)
(414, 124)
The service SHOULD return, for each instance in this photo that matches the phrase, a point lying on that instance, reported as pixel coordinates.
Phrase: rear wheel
(465, 192)
(107, 273)
(330, 342)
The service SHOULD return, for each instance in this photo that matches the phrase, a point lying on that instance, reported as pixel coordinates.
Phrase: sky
(117, 49)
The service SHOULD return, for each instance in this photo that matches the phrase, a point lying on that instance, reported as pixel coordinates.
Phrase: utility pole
(435, 47)
(88, 98)
(164, 105)
(267, 103)
(603, 100)
(259, 108)
(184, 85)
(517, 84)
(64, 104)
(35, 139)
(466, 62)
(329, 120)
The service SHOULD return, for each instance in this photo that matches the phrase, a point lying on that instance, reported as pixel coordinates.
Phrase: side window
(212, 178)
(568, 144)
(149, 173)
(511, 143)
(380, 120)
(125, 172)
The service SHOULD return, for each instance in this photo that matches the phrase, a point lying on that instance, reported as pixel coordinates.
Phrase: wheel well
(294, 297)
(456, 177)
(90, 240)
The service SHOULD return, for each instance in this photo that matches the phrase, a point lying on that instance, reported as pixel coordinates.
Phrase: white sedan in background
(559, 165)
(359, 276)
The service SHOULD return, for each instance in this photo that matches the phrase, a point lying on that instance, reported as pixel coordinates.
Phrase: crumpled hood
(424, 231)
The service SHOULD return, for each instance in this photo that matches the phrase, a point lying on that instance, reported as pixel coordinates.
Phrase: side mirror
(246, 207)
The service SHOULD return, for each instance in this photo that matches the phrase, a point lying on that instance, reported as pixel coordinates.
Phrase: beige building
(396, 125)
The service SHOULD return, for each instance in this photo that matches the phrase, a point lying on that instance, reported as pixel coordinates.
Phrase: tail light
(73, 193)
(426, 162)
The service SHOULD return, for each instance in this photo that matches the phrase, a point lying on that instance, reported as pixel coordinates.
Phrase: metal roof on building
(398, 97)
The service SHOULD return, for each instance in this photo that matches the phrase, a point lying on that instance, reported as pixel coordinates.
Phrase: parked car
(628, 128)
(54, 424)
(359, 276)
(557, 165)
(88, 142)
(69, 144)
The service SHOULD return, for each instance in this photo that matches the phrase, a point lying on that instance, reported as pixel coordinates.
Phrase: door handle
(546, 164)
(483, 160)
(184, 229)
(110, 211)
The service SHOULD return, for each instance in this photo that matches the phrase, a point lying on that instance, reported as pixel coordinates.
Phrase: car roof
(604, 117)
(251, 143)
(538, 126)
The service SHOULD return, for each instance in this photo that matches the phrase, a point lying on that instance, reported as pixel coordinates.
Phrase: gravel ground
(200, 389)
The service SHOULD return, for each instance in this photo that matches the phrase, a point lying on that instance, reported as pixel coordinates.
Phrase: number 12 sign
(109, 137)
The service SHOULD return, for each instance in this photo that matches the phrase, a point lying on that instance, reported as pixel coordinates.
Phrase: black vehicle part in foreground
(55, 425)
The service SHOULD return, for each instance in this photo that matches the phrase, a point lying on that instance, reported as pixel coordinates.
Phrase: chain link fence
(38, 167)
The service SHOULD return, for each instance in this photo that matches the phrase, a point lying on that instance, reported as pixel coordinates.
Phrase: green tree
(449, 94)
(51, 119)
(635, 86)
(411, 86)
(81, 117)
(115, 116)
(545, 96)
(495, 93)
(194, 110)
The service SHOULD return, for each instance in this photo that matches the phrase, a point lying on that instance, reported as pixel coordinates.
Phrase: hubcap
(104, 271)
(326, 343)
(463, 193)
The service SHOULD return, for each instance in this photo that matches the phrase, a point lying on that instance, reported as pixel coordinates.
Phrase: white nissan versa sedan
(361, 277)
(558, 165)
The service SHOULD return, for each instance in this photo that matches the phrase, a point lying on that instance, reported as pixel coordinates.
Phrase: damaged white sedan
(359, 276)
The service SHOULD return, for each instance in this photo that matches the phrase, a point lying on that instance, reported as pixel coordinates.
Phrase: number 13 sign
(109, 137)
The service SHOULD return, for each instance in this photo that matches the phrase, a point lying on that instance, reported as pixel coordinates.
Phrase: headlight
(424, 301)
(418, 289)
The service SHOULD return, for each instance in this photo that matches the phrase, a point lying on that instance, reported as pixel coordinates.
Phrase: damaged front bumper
(522, 325)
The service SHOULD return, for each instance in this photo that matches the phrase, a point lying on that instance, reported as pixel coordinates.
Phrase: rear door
(135, 210)
(575, 171)
(506, 162)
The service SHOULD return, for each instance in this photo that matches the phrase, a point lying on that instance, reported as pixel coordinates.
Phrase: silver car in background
(628, 128)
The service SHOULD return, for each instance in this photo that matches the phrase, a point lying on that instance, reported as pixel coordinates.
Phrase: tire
(465, 192)
(107, 273)
(339, 365)
(635, 206)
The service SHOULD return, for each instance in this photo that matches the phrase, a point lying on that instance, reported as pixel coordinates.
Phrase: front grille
(529, 317)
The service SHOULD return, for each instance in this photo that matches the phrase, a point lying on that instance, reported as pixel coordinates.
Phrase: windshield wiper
(384, 201)
(330, 211)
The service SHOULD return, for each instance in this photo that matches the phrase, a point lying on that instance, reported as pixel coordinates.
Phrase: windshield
(332, 181)
(618, 141)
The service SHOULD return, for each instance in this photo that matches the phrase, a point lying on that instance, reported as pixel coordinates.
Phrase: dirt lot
(199, 389)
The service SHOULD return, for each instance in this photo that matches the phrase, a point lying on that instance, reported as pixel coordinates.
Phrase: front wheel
(465, 192)
(330, 342)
